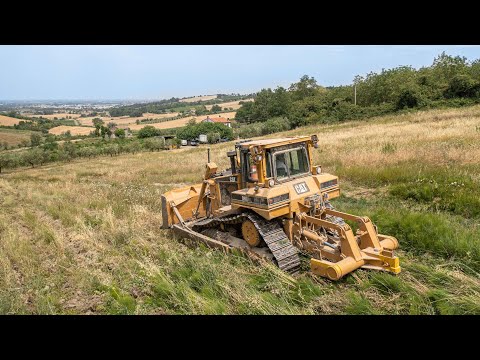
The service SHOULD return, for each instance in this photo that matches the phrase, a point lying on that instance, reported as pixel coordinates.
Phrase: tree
(307, 86)
(34, 157)
(111, 125)
(132, 147)
(408, 99)
(245, 113)
(191, 132)
(202, 110)
(35, 139)
(50, 145)
(192, 121)
(98, 123)
(50, 138)
(70, 150)
(103, 131)
(215, 108)
(120, 133)
(462, 86)
(213, 137)
(147, 131)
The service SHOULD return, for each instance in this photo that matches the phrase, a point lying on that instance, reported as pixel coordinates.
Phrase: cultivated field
(8, 121)
(58, 116)
(13, 137)
(84, 237)
(199, 98)
(231, 104)
(74, 130)
(122, 120)
(183, 121)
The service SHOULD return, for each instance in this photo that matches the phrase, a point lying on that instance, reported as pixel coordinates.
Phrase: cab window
(269, 165)
(290, 163)
(281, 166)
(297, 162)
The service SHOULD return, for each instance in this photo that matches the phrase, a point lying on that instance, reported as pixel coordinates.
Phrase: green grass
(451, 237)
(449, 188)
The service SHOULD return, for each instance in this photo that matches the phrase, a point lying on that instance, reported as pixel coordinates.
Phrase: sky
(154, 72)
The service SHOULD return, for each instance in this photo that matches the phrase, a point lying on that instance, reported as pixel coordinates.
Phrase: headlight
(271, 182)
(319, 169)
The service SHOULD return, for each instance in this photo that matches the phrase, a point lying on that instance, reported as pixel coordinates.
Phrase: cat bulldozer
(274, 203)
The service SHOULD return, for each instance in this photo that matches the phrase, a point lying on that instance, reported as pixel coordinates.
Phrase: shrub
(147, 131)
(462, 86)
(213, 137)
(120, 133)
(274, 125)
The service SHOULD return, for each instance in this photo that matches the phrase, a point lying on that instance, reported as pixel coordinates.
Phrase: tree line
(451, 81)
(174, 104)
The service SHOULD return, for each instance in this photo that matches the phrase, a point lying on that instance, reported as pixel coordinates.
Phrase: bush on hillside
(148, 131)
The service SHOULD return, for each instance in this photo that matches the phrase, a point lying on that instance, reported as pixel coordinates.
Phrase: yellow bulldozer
(274, 203)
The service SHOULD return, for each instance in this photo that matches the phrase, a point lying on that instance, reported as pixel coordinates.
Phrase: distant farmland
(8, 121)
(231, 104)
(183, 121)
(58, 116)
(74, 130)
(123, 120)
(199, 98)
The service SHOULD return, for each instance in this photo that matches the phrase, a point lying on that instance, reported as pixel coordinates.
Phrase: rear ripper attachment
(273, 203)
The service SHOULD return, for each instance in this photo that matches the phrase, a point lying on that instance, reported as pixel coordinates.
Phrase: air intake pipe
(233, 162)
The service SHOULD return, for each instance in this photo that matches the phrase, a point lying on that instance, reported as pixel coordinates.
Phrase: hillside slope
(84, 237)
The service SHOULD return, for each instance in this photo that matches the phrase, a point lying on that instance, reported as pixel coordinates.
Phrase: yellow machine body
(275, 180)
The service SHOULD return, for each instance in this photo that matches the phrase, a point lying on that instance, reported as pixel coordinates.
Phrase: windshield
(291, 163)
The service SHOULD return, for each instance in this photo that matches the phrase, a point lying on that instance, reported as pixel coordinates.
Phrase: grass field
(84, 237)
(13, 137)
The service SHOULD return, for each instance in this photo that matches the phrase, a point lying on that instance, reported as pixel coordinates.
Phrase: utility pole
(355, 87)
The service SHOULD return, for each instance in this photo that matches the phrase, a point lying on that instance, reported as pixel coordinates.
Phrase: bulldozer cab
(279, 160)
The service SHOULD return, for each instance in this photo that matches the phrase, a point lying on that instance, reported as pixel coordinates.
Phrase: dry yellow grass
(13, 137)
(435, 137)
(58, 116)
(74, 130)
(8, 121)
(183, 121)
(231, 104)
(199, 98)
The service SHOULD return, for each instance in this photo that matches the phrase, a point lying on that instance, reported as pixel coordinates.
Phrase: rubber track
(286, 255)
